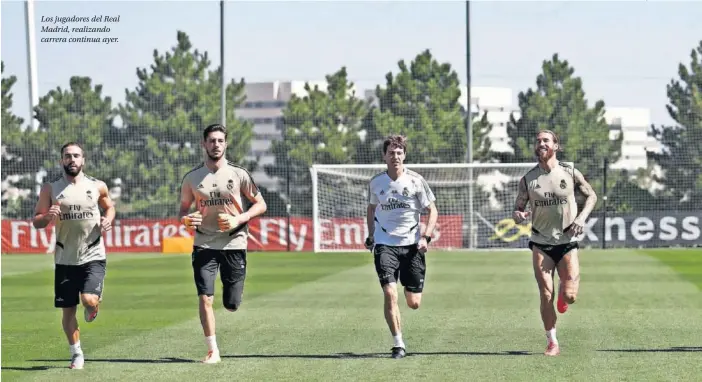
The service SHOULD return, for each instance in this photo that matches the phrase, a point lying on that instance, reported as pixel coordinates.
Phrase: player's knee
(206, 300)
(232, 297)
(390, 292)
(89, 300)
(231, 306)
(413, 304)
(546, 296)
(570, 297)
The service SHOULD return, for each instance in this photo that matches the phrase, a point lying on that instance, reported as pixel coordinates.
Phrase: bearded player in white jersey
(396, 198)
(71, 201)
(549, 188)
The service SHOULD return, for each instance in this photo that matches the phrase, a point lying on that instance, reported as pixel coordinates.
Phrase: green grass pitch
(318, 317)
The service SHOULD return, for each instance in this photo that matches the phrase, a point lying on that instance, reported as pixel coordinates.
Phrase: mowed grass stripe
(686, 262)
(141, 294)
(481, 323)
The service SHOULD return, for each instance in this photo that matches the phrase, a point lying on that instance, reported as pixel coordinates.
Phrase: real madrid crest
(230, 184)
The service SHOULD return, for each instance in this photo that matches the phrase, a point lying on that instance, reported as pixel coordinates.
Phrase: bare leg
(90, 302)
(569, 275)
(70, 325)
(543, 271)
(207, 320)
(392, 310)
(207, 317)
(414, 300)
(544, 268)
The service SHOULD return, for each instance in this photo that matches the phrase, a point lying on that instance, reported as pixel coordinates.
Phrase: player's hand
(193, 220)
(423, 246)
(369, 242)
(53, 212)
(227, 221)
(520, 216)
(105, 223)
(576, 228)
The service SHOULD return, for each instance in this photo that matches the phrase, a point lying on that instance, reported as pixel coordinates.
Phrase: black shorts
(555, 252)
(72, 280)
(405, 263)
(231, 263)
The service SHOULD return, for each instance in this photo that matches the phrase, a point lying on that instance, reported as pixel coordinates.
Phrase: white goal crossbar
(339, 200)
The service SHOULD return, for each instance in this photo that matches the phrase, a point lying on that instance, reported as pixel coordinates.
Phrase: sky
(626, 52)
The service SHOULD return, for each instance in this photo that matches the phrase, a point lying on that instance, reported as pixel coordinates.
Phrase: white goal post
(475, 202)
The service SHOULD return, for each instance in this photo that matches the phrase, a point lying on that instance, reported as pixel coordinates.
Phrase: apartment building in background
(265, 102)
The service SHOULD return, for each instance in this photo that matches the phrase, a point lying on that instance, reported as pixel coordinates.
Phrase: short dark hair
(395, 141)
(69, 144)
(212, 128)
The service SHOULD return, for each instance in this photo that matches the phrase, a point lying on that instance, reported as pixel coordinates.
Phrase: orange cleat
(552, 349)
(561, 305)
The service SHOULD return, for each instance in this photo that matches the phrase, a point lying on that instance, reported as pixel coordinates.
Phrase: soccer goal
(475, 203)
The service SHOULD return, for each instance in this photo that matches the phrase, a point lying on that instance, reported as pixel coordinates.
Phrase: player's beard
(544, 156)
(214, 157)
(72, 172)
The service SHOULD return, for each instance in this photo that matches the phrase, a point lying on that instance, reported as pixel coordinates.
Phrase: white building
(265, 102)
(264, 106)
(634, 124)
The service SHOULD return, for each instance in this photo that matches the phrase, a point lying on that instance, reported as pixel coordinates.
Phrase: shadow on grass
(674, 349)
(375, 355)
(32, 368)
(121, 360)
(301, 356)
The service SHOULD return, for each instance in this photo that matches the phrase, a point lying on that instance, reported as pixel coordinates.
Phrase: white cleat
(91, 316)
(77, 361)
(212, 357)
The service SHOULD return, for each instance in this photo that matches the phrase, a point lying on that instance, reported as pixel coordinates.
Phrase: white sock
(551, 336)
(75, 348)
(398, 340)
(212, 343)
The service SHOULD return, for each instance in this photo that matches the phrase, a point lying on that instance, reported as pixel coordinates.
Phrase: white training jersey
(399, 204)
(78, 229)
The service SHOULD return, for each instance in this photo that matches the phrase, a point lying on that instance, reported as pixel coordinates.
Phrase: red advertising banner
(145, 235)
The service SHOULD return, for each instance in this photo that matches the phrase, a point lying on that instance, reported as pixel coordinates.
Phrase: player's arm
(108, 205)
(253, 194)
(370, 217)
(44, 212)
(190, 220)
(427, 200)
(520, 214)
(590, 201)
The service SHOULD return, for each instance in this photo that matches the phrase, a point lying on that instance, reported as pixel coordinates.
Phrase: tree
(681, 158)
(558, 104)
(164, 118)
(422, 103)
(320, 128)
(81, 114)
(13, 152)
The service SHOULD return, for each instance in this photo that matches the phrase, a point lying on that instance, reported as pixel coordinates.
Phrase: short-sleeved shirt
(78, 231)
(399, 204)
(553, 205)
(215, 193)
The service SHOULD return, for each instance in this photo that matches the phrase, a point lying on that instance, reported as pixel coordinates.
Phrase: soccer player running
(395, 200)
(73, 201)
(549, 188)
(221, 230)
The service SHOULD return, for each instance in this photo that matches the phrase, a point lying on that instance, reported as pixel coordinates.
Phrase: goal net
(475, 203)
